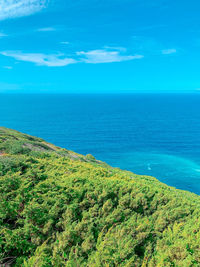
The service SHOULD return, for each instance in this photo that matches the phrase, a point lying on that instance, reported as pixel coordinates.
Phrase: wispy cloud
(3, 34)
(8, 67)
(60, 60)
(169, 51)
(105, 56)
(40, 59)
(151, 47)
(47, 29)
(19, 8)
(65, 43)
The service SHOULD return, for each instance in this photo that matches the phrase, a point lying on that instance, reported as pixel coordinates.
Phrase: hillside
(59, 208)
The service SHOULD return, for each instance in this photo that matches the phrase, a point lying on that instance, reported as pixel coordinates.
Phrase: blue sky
(106, 46)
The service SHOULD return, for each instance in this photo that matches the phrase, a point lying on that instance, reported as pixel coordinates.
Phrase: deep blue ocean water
(151, 134)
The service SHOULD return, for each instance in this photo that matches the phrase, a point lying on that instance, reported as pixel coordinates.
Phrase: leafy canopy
(59, 208)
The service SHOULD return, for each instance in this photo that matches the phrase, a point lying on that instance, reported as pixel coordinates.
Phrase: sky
(99, 46)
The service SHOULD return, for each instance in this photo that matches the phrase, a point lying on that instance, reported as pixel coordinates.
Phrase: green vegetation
(59, 208)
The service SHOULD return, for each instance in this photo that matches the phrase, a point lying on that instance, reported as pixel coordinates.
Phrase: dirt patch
(52, 147)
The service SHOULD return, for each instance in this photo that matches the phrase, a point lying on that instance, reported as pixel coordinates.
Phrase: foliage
(59, 208)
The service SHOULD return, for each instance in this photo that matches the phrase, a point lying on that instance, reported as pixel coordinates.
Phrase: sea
(147, 133)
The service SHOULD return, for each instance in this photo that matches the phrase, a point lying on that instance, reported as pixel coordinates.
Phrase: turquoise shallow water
(173, 170)
(153, 134)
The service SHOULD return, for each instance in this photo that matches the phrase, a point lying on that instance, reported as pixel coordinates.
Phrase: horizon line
(104, 93)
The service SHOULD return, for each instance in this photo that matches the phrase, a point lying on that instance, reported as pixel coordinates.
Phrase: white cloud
(19, 8)
(8, 67)
(60, 60)
(169, 51)
(65, 43)
(3, 34)
(40, 59)
(104, 56)
(48, 29)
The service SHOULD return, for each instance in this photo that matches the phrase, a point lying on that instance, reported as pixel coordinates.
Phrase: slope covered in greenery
(59, 208)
